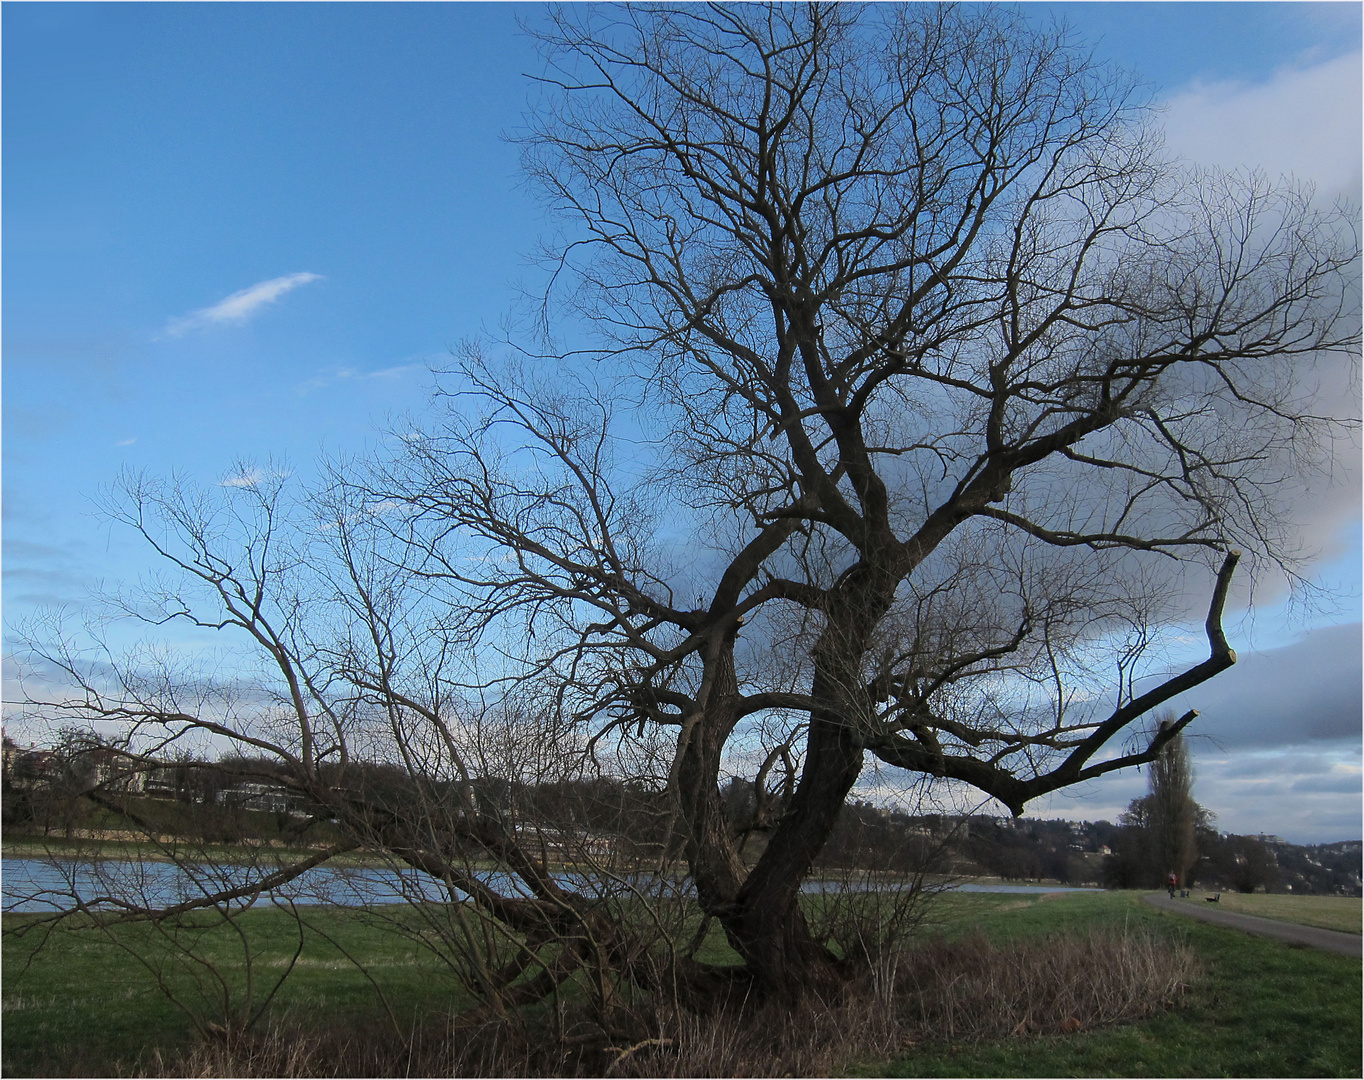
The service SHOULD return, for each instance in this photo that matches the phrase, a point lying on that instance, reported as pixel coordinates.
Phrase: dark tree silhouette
(1246, 864)
(1174, 815)
(912, 372)
(1160, 830)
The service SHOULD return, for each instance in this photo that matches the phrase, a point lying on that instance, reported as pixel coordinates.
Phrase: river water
(48, 884)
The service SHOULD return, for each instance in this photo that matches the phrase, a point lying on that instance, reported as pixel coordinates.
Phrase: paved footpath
(1312, 936)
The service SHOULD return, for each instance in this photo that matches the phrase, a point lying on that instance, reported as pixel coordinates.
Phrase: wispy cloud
(240, 306)
(126, 442)
(245, 479)
(252, 475)
(348, 374)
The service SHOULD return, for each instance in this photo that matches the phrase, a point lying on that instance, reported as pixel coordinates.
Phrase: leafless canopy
(905, 376)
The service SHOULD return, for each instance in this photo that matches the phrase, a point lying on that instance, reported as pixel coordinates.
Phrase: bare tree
(918, 380)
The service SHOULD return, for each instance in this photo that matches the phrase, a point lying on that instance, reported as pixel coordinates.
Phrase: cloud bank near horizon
(1276, 749)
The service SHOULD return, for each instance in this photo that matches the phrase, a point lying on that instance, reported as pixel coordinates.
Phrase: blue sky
(238, 231)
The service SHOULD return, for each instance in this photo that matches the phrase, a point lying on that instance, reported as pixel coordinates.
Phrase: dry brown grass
(972, 989)
(958, 992)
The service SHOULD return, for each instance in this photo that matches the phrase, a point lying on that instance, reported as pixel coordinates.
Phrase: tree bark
(768, 927)
(712, 857)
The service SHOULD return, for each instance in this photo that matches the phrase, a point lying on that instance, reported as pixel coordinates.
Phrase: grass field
(84, 1007)
(1328, 912)
(1262, 1008)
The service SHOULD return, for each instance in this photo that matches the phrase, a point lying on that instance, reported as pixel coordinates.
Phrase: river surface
(48, 884)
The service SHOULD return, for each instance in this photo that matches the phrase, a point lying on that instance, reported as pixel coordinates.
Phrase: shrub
(958, 991)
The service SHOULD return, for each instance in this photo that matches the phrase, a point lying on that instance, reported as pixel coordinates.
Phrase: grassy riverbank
(41, 847)
(83, 1006)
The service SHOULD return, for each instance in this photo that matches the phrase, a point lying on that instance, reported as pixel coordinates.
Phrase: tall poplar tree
(1174, 815)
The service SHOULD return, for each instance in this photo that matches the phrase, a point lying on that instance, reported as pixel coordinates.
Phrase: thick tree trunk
(712, 857)
(768, 926)
(761, 916)
(716, 868)
(760, 912)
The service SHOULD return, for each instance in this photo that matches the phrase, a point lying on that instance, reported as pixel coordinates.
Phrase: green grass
(81, 1005)
(1328, 912)
(1262, 1008)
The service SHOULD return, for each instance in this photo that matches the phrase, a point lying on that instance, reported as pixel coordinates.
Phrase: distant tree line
(1166, 831)
(67, 788)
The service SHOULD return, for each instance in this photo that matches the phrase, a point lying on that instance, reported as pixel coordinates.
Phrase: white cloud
(244, 479)
(1304, 122)
(249, 476)
(349, 374)
(126, 442)
(240, 306)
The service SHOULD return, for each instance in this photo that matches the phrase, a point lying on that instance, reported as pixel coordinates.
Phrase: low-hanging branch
(1015, 792)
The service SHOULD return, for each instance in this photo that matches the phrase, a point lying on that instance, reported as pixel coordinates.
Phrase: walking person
(1171, 883)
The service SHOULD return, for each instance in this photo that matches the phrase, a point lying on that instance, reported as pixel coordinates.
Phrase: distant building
(261, 795)
(114, 771)
(567, 843)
